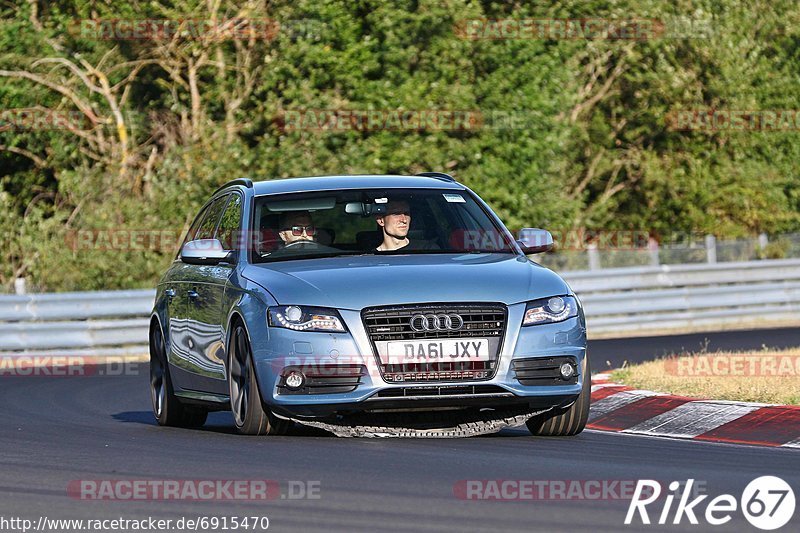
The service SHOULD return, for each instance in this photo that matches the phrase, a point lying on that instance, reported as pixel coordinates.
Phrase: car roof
(328, 183)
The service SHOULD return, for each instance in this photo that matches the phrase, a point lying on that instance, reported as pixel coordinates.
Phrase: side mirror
(534, 240)
(204, 252)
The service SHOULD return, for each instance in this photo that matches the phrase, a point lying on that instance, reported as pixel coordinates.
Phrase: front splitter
(485, 424)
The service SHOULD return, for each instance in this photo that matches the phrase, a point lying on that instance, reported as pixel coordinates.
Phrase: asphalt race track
(56, 430)
(636, 350)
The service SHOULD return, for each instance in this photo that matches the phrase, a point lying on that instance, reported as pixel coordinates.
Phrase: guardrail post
(594, 256)
(19, 286)
(652, 248)
(711, 249)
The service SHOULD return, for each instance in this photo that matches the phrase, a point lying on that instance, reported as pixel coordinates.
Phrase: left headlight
(550, 310)
(304, 318)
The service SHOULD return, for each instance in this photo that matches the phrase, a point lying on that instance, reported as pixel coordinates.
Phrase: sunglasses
(298, 230)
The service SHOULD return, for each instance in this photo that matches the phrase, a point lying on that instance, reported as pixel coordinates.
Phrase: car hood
(355, 282)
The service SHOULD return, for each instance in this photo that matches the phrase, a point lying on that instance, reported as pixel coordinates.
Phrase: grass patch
(757, 376)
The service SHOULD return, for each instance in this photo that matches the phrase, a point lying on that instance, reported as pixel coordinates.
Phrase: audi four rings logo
(437, 322)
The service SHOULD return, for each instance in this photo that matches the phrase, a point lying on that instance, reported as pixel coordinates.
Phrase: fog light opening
(295, 379)
(567, 371)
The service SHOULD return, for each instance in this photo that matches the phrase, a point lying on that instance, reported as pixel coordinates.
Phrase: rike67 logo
(767, 503)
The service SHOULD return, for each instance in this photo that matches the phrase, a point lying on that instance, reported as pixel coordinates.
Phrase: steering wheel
(299, 248)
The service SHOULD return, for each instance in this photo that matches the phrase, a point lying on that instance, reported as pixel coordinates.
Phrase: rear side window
(230, 223)
(210, 221)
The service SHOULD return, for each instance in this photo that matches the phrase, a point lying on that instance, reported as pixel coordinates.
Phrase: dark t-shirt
(414, 246)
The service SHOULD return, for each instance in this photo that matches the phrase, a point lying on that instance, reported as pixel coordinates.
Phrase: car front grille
(543, 371)
(385, 324)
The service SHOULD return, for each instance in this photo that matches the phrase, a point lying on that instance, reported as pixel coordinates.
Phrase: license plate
(436, 351)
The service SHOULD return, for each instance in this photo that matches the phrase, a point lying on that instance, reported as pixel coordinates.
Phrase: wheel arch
(155, 321)
(245, 306)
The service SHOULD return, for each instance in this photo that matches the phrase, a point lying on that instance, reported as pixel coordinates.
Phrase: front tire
(249, 414)
(167, 409)
(570, 421)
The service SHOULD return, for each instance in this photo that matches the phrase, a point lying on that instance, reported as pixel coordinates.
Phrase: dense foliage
(160, 122)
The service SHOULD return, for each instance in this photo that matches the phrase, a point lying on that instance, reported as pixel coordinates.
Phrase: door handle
(192, 294)
(170, 293)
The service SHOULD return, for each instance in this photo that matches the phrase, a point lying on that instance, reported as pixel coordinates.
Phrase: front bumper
(285, 348)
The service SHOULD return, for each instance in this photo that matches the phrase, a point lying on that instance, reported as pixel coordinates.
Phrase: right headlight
(305, 318)
(550, 310)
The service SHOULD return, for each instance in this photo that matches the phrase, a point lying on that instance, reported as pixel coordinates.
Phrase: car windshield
(373, 221)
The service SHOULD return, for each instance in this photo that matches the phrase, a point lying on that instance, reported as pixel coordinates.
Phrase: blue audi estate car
(347, 300)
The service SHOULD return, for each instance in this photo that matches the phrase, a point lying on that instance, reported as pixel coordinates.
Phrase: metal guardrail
(684, 298)
(618, 302)
(17, 336)
(664, 276)
(76, 305)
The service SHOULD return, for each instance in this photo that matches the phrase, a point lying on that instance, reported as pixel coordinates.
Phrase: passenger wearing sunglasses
(297, 227)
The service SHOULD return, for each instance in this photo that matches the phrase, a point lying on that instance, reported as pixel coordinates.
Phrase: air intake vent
(543, 371)
(327, 379)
